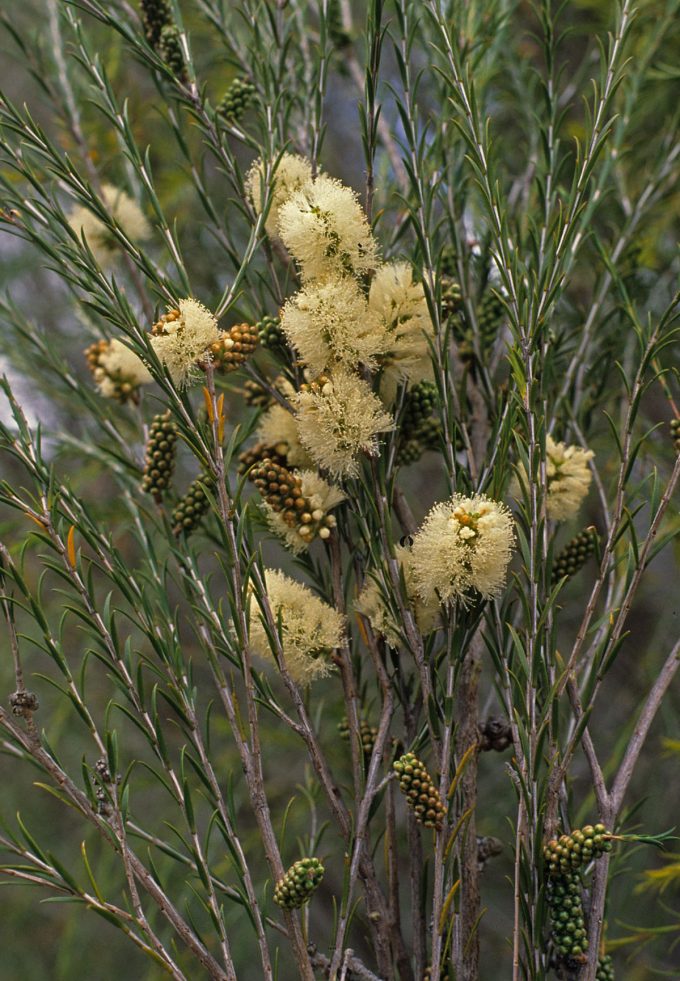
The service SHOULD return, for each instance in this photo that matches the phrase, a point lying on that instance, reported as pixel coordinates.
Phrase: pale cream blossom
(278, 428)
(119, 364)
(385, 618)
(568, 479)
(124, 211)
(463, 545)
(325, 228)
(310, 630)
(321, 497)
(182, 337)
(327, 323)
(292, 173)
(397, 307)
(339, 418)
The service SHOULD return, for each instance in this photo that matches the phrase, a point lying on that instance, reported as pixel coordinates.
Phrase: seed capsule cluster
(282, 490)
(574, 555)
(495, 734)
(420, 791)
(270, 333)
(299, 883)
(238, 97)
(367, 733)
(161, 450)
(566, 914)
(675, 433)
(189, 510)
(260, 452)
(605, 969)
(123, 390)
(570, 852)
(234, 347)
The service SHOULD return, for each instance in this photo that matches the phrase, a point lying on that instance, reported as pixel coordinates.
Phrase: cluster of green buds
(419, 430)
(162, 34)
(161, 451)
(238, 97)
(420, 791)
(270, 333)
(675, 433)
(566, 914)
(234, 347)
(282, 490)
(605, 969)
(570, 852)
(170, 50)
(299, 883)
(367, 733)
(191, 508)
(575, 554)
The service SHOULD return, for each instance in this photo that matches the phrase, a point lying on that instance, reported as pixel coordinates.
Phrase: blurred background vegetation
(50, 940)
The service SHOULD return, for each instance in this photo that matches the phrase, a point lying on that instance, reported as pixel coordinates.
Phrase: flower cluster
(182, 337)
(568, 479)
(463, 546)
(101, 240)
(117, 370)
(372, 603)
(292, 173)
(309, 629)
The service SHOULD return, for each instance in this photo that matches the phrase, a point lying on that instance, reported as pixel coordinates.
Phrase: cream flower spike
(292, 173)
(310, 629)
(182, 337)
(125, 212)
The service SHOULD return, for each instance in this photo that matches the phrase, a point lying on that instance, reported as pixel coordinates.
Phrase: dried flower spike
(421, 793)
(161, 450)
(495, 734)
(299, 883)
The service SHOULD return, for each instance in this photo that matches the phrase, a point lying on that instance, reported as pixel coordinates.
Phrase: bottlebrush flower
(324, 227)
(464, 544)
(117, 370)
(398, 308)
(292, 173)
(568, 479)
(124, 211)
(384, 620)
(278, 428)
(327, 323)
(182, 337)
(339, 418)
(310, 630)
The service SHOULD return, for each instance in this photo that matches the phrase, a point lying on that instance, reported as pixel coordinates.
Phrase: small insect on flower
(568, 479)
(117, 370)
(124, 212)
(339, 418)
(324, 227)
(309, 629)
(292, 173)
(464, 546)
(327, 322)
(182, 337)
